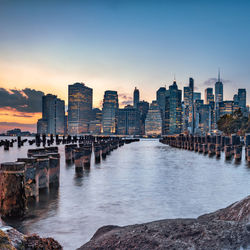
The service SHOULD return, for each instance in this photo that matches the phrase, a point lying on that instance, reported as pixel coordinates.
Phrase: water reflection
(139, 182)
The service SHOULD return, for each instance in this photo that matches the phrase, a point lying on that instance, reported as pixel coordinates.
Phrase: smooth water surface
(138, 182)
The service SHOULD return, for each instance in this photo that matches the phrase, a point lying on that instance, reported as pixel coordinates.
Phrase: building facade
(128, 121)
(173, 111)
(110, 112)
(80, 101)
(53, 116)
(153, 122)
(136, 97)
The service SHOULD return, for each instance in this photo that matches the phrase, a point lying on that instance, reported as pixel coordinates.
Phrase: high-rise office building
(80, 101)
(173, 111)
(53, 116)
(242, 99)
(153, 122)
(136, 97)
(205, 118)
(218, 96)
(218, 91)
(128, 121)
(188, 108)
(60, 117)
(110, 112)
(209, 96)
(197, 96)
(95, 124)
(42, 126)
(143, 108)
(49, 112)
(226, 107)
(161, 100)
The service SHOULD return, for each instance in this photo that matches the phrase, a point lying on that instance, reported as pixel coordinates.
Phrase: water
(140, 182)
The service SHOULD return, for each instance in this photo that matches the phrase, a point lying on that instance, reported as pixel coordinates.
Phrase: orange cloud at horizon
(11, 115)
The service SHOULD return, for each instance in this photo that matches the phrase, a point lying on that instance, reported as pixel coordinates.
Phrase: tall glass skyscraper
(143, 108)
(218, 91)
(242, 99)
(209, 96)
(173, 111)
(110, 112)
(136, 97)
(153, 123)
(80, 101)
(128, 121)
(53, 116)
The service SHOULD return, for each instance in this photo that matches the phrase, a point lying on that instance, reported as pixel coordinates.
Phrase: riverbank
(227, 228)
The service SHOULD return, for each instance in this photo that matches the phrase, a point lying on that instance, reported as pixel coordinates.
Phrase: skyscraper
(80, 101)
(197, 96)
(136, 97)
(188, 108)
(218, 96)
(143, 108)
(242, 99)
(128, 121)
(49, 112)
(153, 123)
(173, 111)
(209, 96)
(218, 91)
(161, 98)
(110, 112)
(53, 116)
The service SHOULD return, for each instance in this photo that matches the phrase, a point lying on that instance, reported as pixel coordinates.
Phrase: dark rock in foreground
(10, 238)
(228, 228)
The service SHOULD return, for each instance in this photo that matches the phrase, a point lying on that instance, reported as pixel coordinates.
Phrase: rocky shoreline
(227, 228)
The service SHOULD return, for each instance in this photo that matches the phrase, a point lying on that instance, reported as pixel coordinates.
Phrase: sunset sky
(117, 45)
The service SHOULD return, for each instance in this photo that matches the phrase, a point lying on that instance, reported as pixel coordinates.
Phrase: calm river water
(139, 182)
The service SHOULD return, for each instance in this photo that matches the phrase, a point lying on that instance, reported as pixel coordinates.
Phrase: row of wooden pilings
(211, 145)
(21, 181)
(101, 146)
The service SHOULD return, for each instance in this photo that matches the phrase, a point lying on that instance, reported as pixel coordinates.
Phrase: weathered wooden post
(42, 170)
(97, 151)
(31, 178)
(218, 145)
(211, 149)
(54, 169)
(78, 157)
(237, 153)
(12, 189)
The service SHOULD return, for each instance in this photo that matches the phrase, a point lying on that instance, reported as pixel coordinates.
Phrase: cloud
(125, 99)
(211, 81)
(25, 100)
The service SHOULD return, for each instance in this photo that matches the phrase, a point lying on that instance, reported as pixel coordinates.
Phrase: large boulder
(227, 228)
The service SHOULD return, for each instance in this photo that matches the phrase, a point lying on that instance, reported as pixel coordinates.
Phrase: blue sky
(118, 45)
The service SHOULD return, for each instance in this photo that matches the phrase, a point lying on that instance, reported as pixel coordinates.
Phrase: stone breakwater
(227, 228)
(211, 145)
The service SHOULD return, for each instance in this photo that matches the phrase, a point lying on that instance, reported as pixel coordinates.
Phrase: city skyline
(117, 45)
(122, 104)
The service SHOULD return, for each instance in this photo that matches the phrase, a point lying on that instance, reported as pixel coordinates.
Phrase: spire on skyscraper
(219, 75)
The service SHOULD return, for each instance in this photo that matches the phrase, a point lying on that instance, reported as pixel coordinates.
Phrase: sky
(117, 45)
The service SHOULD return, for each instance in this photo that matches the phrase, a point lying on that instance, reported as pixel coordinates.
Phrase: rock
(226, 228)
(10, 238)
